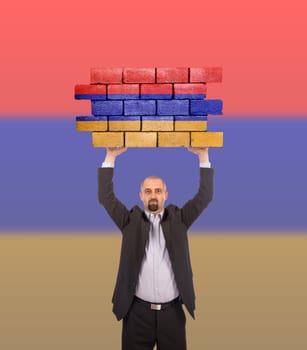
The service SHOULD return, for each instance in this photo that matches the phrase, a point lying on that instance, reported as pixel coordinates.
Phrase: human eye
(147, 191)
(158, 190)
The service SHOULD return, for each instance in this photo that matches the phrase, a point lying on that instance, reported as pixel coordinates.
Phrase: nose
(153, 195)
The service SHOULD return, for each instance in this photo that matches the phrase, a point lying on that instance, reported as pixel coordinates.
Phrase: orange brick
(108, 139)
(101, 125)
(192, 125)
(155, 125)
(121, 125)
(173, 139)
(140, 139)
(207, 139)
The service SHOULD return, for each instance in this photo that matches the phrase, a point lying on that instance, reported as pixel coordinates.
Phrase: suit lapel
(144, 234)
(166, 227)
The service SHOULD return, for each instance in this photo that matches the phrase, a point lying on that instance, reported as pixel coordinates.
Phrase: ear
(166, 196)
(141, 196)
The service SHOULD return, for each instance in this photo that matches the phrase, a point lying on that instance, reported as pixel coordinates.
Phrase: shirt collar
(160, 214)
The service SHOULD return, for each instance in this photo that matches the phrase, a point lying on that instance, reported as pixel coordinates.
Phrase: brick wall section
(150, 107)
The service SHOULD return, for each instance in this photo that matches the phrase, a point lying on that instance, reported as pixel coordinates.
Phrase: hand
(113, 152)
(202, 152)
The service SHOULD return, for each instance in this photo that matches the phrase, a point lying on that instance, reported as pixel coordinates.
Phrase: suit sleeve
(114, 207)
(195, 206)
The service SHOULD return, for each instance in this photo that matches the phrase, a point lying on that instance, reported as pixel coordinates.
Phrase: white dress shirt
(156, 282)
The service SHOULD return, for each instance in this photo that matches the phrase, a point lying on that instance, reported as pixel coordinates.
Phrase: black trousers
(144, 328)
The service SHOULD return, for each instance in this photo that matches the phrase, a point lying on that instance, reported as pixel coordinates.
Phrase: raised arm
(194, 207)
(201, 152)
(117, 210)
(112, 153)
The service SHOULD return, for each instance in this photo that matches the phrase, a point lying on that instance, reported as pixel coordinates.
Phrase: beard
(153, 205)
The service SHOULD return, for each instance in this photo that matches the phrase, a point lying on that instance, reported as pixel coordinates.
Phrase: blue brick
(187, 118)
(138, 107)
(124, 118)
(189, 96)
(173, 107)
(123, 96)
(158, 118)
(100, 97)
(201, 107)
(107, 107)
(156, 96)
(91, 118)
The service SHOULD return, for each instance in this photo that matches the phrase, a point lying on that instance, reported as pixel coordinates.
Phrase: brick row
(140, 91)
(156, 75)
(157, 107)
(152, 117)
(144, 123)
(157, 139)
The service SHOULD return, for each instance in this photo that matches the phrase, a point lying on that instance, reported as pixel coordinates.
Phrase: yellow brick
(173, 139)
(140, 139)
(101, 125)
(154, 125)
(206, 139)
(120, 125)
(192, 125)
(108, 139)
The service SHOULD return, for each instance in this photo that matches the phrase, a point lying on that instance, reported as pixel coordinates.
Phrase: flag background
(58, 249)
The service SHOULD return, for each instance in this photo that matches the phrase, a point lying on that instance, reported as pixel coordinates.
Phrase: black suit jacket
(135, 226)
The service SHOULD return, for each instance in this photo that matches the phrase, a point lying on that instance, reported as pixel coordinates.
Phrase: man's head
(153, 194)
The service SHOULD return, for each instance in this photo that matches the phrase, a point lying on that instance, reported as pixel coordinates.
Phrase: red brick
(206, 75)
(139, 75)
(83, 89)
(106, 75)
(123, 89)
(190, 89)
(173, 75)
(156, 88)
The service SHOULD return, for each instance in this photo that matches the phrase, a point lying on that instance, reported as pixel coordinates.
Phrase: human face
(153, 195)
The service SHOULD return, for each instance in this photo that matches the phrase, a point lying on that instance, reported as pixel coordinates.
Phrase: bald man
(155, 275)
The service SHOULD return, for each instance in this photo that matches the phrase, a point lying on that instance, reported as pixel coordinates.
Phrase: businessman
(155, 275)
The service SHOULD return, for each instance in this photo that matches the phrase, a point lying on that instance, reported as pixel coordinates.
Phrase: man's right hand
(113, 152)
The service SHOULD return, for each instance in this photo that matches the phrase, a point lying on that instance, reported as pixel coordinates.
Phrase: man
(155, 275)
